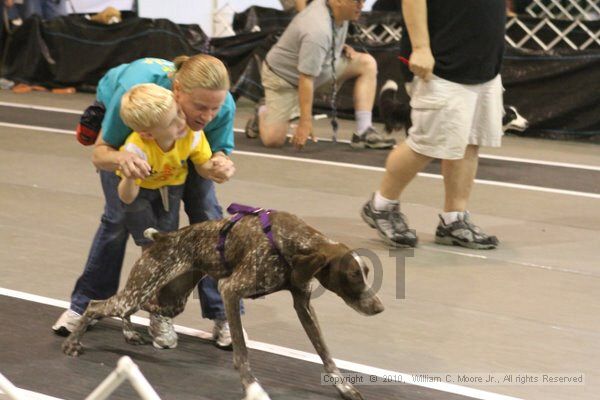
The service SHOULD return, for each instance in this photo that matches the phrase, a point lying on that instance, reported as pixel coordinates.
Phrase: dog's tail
(151, 233)
(394, 108)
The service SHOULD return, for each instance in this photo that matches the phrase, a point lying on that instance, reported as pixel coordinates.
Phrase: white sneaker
(67, 322)
(222, 334)
(162, 332)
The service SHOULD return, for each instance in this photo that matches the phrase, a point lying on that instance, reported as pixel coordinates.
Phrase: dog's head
(341, 271)
(513, 121)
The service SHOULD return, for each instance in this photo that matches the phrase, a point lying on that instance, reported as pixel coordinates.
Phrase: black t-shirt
(467, 39)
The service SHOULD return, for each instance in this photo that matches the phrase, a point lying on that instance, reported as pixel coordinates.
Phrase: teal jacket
(119, 80)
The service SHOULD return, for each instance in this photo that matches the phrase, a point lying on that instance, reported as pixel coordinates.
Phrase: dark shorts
(147, 211)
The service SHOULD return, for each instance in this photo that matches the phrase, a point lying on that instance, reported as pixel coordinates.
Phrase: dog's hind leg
(115, 306)
(308, 318)
(131, 335)
(231, 300)
(72, 344)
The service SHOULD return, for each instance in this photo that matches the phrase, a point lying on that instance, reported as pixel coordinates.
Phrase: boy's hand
(133, 166)
(222, 168)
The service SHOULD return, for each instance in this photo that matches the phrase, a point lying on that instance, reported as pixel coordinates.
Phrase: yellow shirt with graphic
(168, 168)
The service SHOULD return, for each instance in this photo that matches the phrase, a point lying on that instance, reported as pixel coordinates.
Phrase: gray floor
(530, 306)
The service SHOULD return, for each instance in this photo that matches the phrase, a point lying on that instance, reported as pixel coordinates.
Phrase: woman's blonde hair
(145, 106)
(200, 71)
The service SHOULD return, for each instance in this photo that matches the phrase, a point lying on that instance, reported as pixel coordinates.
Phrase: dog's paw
(348, 392)
(255, 392)
(72, 349)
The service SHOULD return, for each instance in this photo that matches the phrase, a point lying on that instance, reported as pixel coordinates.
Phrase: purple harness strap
(239, 211)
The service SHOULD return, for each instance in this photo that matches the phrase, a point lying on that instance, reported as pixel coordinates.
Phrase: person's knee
(368, 64)
(273, 137)
(472, 151)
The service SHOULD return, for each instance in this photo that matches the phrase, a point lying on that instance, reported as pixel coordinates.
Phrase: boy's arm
(106, 155)
(128, 190)
(107, 158)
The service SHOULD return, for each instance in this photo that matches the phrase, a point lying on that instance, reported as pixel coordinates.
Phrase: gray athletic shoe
(251, 129)
(222, 334)
(67, 322)
(465, 233)
(162, 332)
(372, 139)
(390, 224)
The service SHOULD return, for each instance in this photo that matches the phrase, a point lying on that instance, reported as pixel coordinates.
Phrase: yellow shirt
(168, 168)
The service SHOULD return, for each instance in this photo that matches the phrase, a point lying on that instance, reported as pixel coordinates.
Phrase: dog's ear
(305, 266)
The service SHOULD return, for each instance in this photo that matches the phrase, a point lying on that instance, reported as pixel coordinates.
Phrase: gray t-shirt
(305, 46)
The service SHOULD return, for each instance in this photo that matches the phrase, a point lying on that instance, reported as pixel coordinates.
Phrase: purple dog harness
(239, 211)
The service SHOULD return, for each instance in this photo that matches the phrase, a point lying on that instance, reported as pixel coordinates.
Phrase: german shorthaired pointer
(260, 255)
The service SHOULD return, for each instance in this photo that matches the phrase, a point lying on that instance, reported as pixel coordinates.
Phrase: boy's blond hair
(201, 71)
(144, 106)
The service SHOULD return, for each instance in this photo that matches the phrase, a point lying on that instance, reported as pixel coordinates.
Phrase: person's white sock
(381, 203)
(363, 120)
(451, 216)
(262, 109)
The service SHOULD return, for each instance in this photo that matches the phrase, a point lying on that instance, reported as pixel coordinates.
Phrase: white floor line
(38, 128)
(297, 354)
(41, 108)
(355, 166)
(495, 157)
(423, 174)
(542, 162)
(29, 395)
(239, 130)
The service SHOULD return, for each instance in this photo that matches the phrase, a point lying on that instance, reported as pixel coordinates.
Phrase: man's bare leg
(459, 176)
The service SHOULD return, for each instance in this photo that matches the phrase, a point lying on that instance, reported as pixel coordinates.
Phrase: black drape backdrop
(559, 91)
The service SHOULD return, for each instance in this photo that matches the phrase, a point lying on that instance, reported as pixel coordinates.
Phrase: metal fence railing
(564, 9)
(523, 33)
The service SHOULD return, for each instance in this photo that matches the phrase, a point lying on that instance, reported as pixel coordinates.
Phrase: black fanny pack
(90, 124)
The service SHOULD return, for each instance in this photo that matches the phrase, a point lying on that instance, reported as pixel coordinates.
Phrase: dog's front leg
(308, 318)
(231, 300)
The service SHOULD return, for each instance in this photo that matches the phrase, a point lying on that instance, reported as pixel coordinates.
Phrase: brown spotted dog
(249, 265)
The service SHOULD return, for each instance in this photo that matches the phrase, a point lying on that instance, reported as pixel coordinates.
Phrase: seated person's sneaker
(162, 332)
(67, 322)
(372, 139)
(222, 334)
(463, 232)
(251, 129)
(390, 224)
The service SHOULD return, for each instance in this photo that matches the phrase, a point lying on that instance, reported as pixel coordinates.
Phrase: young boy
(162, 138)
